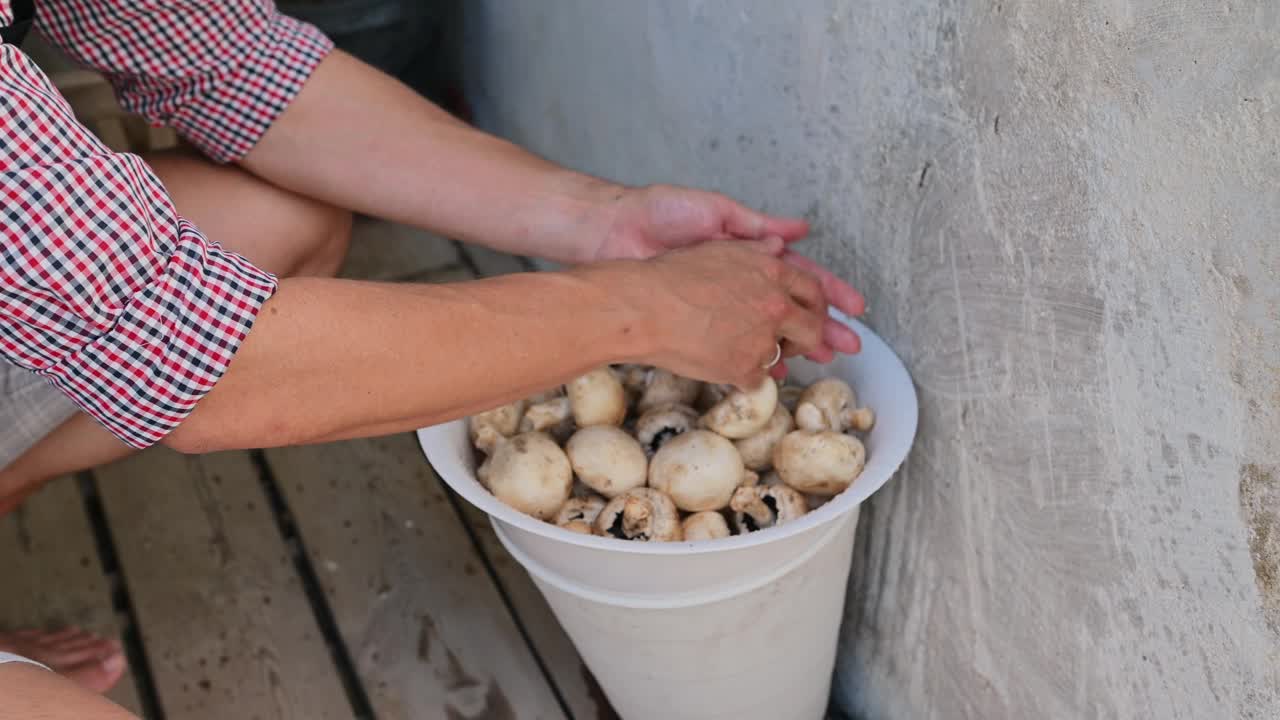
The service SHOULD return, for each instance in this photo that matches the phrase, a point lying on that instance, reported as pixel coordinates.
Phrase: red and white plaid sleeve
(104, 289)
(217, 71)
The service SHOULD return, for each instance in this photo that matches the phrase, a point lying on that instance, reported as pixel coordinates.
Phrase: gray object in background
(405, 38)
(1065, 217)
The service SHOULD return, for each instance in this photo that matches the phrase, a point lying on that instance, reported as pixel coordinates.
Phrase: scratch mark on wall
(1260, 506)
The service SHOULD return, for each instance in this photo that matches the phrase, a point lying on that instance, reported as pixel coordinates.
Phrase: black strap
(24, 12)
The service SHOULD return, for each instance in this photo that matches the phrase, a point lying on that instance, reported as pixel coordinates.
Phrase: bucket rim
(880, 468)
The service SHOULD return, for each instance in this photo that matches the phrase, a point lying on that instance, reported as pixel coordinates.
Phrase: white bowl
(876, 375)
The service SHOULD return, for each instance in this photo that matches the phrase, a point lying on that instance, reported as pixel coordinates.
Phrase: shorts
(11, 658)
(30, 408)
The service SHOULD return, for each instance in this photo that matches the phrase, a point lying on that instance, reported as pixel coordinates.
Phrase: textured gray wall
(1065, 215)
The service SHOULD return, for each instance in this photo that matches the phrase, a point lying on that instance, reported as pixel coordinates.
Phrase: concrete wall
(1065, 215)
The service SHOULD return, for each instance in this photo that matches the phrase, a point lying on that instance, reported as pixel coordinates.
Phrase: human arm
(127, 308)
(344, 132)
(333, 359)
(105, 290)
(358, 138)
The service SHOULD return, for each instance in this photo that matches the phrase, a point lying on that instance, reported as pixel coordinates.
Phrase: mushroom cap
(705, 525)
(641, 514)
(486, 427)
(580, 508)
(827, 404)
(765, 506)
(698, 469)
(530, 473)
(597, 398)
(663, 387)
(743, 413)
(757, 450)
(819, 463)
(660, 424)
(607, 459)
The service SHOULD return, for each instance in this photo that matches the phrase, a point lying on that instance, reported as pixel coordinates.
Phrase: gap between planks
(53, 573)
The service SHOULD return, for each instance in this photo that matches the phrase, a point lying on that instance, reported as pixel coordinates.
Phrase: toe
(98, 675)
(63, 660)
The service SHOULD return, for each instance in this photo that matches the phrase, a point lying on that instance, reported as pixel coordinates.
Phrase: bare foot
(91, 661)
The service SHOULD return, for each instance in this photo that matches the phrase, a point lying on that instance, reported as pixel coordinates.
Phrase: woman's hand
(641, 223)
(715, 310)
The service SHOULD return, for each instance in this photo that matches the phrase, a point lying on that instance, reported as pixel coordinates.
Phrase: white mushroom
(812, 501)
(607, 459)
(757, 450)
(641, 514)
(764, 506)
(743, 413)
(824, 462)
(553, 415)
(485, 428)
(530, 473)
(705, 525)
(815, 501)
(666, 388)
(579, 514)
(699, 470)
(830, 404)
(597, 398)
(656, 427)
(863, 419)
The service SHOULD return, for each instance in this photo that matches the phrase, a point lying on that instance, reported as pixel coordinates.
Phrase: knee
(329, 238)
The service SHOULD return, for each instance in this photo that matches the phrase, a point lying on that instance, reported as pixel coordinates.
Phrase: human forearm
(357, 138)
(332, 359)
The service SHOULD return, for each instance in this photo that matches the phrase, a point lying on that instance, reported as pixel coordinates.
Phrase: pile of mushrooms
(639, 453)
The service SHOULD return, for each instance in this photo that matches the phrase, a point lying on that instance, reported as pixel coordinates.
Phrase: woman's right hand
(716, 311)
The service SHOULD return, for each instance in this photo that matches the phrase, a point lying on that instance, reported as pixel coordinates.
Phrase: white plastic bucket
(744, 627)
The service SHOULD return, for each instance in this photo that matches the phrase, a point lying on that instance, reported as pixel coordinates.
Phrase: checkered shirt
(105, 290)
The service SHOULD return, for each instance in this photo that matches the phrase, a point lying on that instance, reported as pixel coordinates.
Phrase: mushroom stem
(640, 514)
(635, 514)
(752, 504)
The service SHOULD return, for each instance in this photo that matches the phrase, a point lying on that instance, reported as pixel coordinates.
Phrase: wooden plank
(52, 573)
(574, 682)
(425, 625)
(583, 696)
(227, 628)
(577, 687)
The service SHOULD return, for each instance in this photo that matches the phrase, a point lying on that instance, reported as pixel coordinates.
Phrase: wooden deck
(332, 581)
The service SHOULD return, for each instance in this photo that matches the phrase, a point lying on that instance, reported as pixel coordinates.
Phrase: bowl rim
(880, 468)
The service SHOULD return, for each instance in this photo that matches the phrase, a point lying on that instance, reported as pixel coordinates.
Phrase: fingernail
(115, 663)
